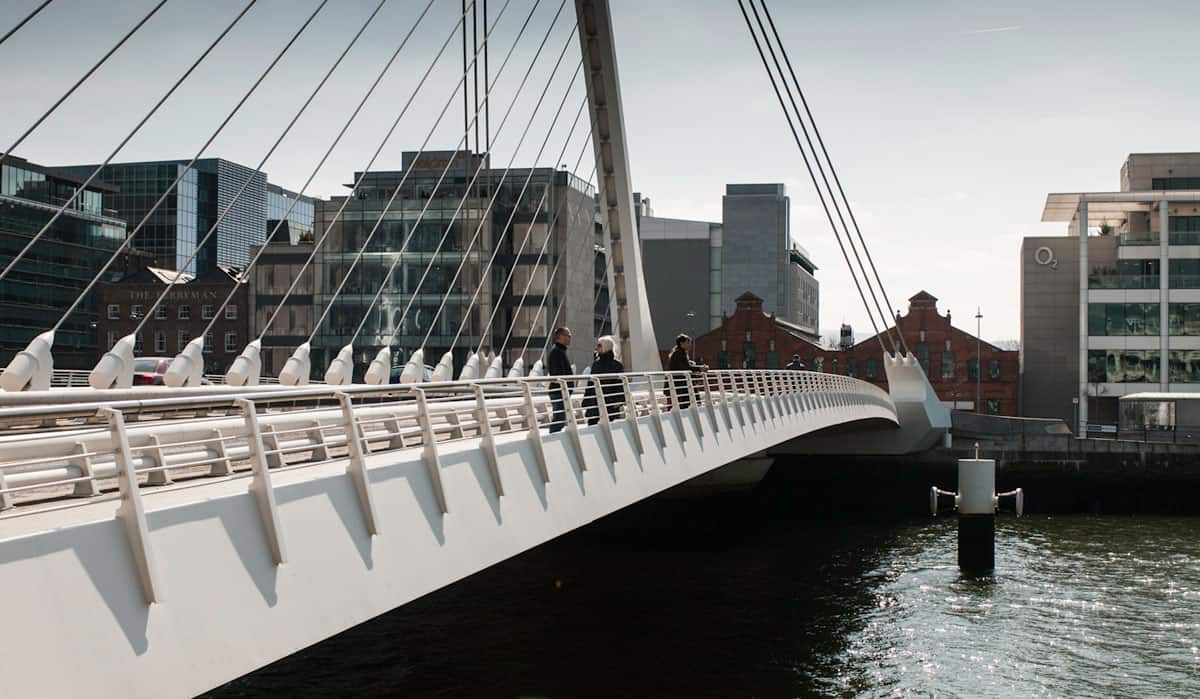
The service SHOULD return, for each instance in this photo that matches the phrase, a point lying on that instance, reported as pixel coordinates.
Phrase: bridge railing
(85, 449)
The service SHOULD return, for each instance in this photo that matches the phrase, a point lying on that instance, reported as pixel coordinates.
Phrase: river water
(745, 596)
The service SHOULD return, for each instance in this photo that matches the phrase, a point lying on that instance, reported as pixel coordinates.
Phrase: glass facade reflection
(212, 185)
(422, 278)
(59, 266)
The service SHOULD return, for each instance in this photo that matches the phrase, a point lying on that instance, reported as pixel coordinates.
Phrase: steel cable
(80, 81)
(246, 185)
(804, 155)
(121, 145)
(25, 21)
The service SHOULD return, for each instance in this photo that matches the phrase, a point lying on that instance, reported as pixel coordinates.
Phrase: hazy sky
(949, 120)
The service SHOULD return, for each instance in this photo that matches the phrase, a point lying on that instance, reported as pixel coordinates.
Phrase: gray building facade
(758, 255)
(681, 260)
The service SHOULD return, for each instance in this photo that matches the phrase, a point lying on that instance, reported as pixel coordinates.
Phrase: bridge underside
(81, 625)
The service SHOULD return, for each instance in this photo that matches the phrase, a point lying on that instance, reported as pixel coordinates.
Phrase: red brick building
(751, 338)
(185, 312)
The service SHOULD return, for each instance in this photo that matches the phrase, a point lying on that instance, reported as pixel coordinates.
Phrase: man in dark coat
(606, 363)
(679, 360)
(557, 364)
(795, 364)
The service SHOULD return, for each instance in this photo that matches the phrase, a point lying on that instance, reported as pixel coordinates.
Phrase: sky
(948, 120)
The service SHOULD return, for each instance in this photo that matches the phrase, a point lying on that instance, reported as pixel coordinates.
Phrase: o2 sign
(1044, 256)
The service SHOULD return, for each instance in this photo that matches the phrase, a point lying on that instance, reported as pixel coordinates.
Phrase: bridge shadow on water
(727, 595)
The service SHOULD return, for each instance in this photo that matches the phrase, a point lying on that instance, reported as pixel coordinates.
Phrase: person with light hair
(606, 363)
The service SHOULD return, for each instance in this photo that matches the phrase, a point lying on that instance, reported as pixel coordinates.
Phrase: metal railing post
(486, 441)
(693, 406)
(656, 412)
(131, 513)
(572, 426)
(357, 468)
(535, 432)
(631, 414)
(675, 407)
(429, 454)
(260, 486)
(605, 423)
(708, 401)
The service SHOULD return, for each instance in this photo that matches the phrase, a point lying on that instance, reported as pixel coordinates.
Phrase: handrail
(311, 420)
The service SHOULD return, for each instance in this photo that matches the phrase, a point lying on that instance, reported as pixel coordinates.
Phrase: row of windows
(1142, 319)
(160, 342)
(949, 364)
(1142, 366)
(183, 310)
(1175, 183)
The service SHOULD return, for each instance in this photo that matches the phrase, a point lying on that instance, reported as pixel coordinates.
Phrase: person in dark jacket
(557, 364)
(614, 391)
(680, 360)
(795, 364)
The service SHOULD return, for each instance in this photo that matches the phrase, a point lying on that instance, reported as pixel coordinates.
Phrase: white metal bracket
(131, 514)
(260, 485)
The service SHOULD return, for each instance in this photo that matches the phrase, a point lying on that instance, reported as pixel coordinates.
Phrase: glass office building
(421, 296)
(191, 209)
(60, 265)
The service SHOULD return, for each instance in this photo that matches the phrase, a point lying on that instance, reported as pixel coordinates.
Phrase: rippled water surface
(742, 598)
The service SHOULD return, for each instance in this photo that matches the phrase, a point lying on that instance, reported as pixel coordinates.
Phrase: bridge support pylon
(626, 285)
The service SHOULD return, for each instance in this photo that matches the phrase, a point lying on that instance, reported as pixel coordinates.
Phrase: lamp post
(978, 358)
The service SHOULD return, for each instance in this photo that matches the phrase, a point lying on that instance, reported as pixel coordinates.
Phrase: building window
(993, 369)
(993, 406)
(231, 342)
(749, 360)
(114, 311)
(112, 339)
(1183, 366)
(185, 312)
(160, 342)
(772, 360)
(206, 312)
(1183, 318)
(231, 312)
(923, 356)
(137, 343)
(818, 364)
(184, 338)
(722, 359)
(1123, 319)
(208, 343)
(872, 368)
(852, 367)
(947, 366)
(1123, 366)
(1184, 273)
(833, 365)
(160, 313)
(972, 369)
(135, 311)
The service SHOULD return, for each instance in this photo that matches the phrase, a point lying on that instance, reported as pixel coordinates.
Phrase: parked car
(149, 371)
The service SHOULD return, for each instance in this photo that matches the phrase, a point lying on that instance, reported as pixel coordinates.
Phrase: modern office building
(696, 270)
(759, 256)
(1113, 308)
(191, 209)
(408, 310)
(60, 265)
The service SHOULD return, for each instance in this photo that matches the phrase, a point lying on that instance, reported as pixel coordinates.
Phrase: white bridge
(159, 541)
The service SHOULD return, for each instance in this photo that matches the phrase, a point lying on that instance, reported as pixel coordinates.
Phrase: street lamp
(978, 357)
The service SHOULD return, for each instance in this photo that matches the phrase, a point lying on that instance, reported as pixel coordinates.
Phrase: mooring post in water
(976, 501)
(976, 515)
